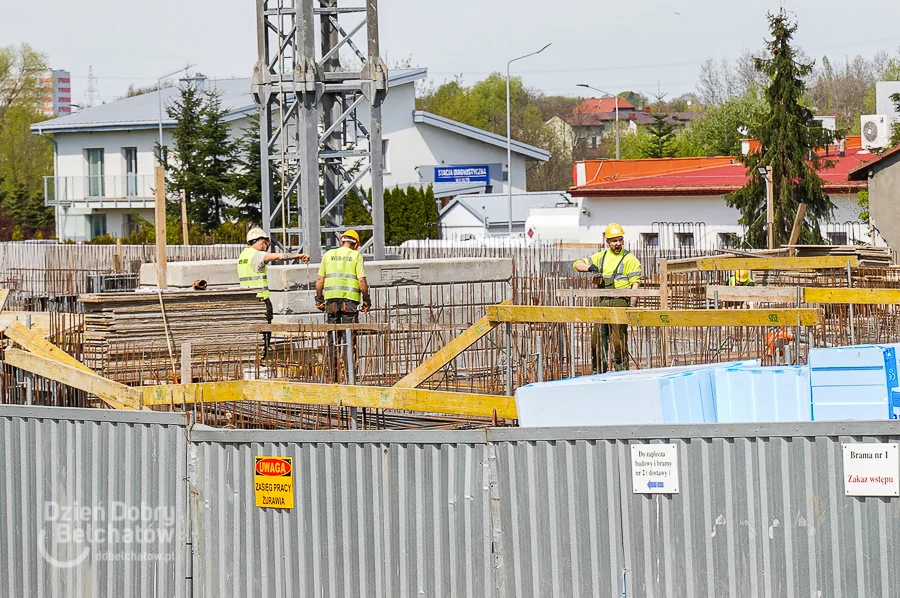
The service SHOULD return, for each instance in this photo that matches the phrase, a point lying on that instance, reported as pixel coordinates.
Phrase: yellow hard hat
(614, 230)
(256, 233)
(742, 275)
(352, 234)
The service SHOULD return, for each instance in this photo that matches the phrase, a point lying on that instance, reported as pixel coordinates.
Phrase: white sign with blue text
(654, 469)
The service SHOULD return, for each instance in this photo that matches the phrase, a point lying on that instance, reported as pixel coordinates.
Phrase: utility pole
(184, 221)
(160, 226)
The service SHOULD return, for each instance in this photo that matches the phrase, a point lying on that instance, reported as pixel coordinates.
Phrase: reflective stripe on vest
(248, 277)
(340, 274)
(609, 280)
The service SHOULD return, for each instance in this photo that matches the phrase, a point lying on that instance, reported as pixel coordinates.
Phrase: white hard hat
(256, 233)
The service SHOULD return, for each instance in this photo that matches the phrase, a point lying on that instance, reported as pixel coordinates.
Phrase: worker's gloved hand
(320, 303)
(302, 257)
(366, 304)
(594, 269)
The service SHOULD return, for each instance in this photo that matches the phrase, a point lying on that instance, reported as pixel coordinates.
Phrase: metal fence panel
(94, 502)
(375, 514)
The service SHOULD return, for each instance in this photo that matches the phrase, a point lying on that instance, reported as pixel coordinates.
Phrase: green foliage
(246, 180)
(408, 214)
(203, 157)
(638, 100)
(788, 140)
(862, 201)
(144, 233)
(716, 131)
(24, 158)
(895, 128)
(660, 139)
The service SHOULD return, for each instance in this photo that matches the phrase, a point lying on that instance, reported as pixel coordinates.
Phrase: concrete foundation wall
(884, 199)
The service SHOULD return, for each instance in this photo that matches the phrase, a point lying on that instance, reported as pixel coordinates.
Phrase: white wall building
(105, 156)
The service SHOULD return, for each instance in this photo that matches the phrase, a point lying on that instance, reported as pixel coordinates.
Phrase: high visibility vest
(340, 267)
(733, 282)
(248, 277)
(618, 271)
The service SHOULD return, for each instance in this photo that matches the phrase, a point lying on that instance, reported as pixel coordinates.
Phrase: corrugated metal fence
(504, 512)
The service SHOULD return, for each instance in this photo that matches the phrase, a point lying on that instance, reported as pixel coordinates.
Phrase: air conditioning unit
(876, 130)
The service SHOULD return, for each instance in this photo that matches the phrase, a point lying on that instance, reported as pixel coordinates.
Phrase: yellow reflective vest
(342, 268)
(250, 278)
(619, 271)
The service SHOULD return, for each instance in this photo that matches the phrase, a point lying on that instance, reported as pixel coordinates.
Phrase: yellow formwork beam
(447, 353)
(87, 381)
(557, 314)
(776, 263)
(852, 296)
(38, 345)
(724, 317)
(373, 397)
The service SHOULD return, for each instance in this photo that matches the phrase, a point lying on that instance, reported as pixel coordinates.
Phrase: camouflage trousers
(610, 340)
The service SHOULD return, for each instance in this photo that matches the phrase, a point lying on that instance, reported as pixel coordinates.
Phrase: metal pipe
(852, 325)
(508, 359)
(351, 375)
(539, 353)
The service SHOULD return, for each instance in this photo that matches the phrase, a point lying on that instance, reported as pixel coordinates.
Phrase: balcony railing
(108, 191)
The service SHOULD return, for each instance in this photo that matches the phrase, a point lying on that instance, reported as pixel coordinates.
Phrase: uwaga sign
(273, 481)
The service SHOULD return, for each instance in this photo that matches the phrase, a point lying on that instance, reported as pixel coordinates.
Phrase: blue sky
(614, 46)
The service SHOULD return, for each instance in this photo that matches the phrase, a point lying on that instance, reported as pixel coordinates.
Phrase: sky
(642, 46)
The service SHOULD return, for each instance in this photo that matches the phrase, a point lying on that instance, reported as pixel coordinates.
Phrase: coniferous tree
(660, 142)
(246, 181)
(789, 139)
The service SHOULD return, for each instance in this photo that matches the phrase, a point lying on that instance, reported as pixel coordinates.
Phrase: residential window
(131, 182)
(95, 172)
(592, 142)
(727, 240)
(650, 239)
(684, 240)
(385, 162)
(97, 224)
(837, 238)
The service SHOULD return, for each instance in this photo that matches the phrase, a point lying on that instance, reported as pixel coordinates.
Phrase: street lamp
(509, 137)
(766, 173)
(159, 96)
(617, 112)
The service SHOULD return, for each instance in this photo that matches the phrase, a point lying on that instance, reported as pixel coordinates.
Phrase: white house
(478, 217)
(104, 156)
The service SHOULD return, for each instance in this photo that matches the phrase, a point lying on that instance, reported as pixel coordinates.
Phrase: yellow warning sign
(273, 480)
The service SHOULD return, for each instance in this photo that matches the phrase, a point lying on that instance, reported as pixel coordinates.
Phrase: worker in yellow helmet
(341, 287)
(741, 278)
(252, 268)
(613, 268)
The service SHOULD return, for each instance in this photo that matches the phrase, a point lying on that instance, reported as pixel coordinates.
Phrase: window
(95, 172)
(131, 186)
(97, 224)
(385, 163)
(837, 238)
(650, 239)
(684, 239)
(727, 240)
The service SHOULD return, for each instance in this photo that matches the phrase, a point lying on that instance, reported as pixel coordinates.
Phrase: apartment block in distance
(58, 98)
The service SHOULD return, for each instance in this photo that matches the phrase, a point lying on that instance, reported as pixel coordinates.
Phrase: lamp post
(509, 137)
(766, 173)
(617, 112)
(159, 96)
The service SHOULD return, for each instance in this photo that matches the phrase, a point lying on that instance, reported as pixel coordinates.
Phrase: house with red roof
(679, 203)
(882, 174)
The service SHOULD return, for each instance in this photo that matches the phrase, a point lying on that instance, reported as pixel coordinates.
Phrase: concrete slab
(220, 273)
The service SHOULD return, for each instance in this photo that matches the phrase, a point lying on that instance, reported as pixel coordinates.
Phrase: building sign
(871, 469)
(654, 469)
(273, 481)
(462, 174)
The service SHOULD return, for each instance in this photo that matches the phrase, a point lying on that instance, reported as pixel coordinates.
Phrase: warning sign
(273, 481)
(654, 469)
(871, 469)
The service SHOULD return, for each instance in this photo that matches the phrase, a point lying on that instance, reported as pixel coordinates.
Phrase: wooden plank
(760, 294)
(557, 314)
(795, 230)
(447, 353)
(160, 227)
(375, 397)
(4, 295)
(723, 317)
(852, 296)
(73, 376)
(38, 345)
(594, 293)
(777, 263)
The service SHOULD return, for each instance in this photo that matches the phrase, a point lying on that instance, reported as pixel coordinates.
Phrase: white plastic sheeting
(857, 382)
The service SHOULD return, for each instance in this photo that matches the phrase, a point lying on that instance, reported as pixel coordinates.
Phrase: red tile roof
(712, 178)
(594, 105)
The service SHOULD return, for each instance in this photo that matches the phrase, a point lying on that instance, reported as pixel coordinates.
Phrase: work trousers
(341, 311)
(267, 336)
(610, 340)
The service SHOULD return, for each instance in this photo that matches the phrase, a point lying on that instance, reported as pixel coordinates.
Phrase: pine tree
(660, 141)
(789, 139)
(246, 181)
(202, 158)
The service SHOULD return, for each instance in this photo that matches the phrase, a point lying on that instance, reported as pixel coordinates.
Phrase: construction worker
(741, 278)
(613, 268)
(341, 287)
(252, 267)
